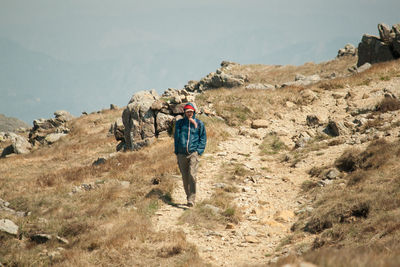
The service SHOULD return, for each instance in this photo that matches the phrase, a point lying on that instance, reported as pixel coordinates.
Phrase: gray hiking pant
(188, 167)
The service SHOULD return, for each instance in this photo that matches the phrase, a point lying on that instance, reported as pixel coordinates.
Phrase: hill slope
(316, 180)
(8, 124)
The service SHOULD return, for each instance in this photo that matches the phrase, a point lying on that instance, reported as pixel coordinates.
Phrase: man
(190, 141)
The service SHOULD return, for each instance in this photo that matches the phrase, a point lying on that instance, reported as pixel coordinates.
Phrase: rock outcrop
(374, 49)
(217, 79)
(148, 116)
(48, 131)
(347, 50)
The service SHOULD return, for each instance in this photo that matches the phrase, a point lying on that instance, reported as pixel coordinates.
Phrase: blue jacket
(189, 139)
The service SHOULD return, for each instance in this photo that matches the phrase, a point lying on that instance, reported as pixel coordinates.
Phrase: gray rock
(54, 137)
(373, 49)
(118, 130)
(164, 122)
(21, 146)
(384, 32)
(332, 174)
(364, 67)
(348, 50)
(138, 118)
(63, 115)
(8, 226)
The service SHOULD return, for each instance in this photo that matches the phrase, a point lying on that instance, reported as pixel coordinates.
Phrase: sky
(85, 55)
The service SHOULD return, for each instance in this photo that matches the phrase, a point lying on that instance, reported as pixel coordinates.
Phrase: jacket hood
(194, 107)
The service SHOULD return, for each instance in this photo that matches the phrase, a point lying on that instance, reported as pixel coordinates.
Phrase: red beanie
(188, 107)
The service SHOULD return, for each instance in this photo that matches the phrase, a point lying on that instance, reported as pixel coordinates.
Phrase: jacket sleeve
(202, 138)
(176, 136)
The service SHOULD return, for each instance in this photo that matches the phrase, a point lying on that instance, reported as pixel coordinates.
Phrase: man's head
(189, 110)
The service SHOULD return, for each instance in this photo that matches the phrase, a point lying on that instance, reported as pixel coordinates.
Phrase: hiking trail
(267, 199)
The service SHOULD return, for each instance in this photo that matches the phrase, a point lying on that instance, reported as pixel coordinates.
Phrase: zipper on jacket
(187, 144)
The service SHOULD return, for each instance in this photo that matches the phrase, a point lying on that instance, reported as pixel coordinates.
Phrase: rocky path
(268, 198)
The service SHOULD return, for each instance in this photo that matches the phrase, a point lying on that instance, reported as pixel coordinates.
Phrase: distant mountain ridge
(9, 124)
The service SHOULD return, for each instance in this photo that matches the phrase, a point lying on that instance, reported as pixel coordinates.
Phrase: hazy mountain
(8, 124)
(34, 85)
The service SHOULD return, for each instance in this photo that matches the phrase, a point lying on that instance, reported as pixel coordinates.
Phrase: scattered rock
(332, 174)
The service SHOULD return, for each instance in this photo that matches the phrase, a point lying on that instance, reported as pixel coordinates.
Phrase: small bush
(388, 104)
(348, 160)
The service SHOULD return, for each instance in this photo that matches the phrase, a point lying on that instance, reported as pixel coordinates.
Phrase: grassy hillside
(102, 213)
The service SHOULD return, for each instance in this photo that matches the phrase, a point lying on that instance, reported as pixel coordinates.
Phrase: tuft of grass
(271, 144)
(388, 104)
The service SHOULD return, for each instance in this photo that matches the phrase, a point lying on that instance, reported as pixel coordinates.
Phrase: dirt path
(268, 200)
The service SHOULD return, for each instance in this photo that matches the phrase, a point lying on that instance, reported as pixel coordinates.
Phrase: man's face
(189, 113)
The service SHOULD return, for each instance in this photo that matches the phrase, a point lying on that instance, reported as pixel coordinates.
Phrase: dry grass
(236, 106)
(271, 144)
(281, 74)
(107, 225)
(378, 72)
(361, 217)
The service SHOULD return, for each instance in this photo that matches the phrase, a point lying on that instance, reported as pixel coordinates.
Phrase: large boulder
(373, 49)
(139, 118)
(19, 145)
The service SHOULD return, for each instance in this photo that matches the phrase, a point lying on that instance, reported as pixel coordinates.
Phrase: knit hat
(188, 106)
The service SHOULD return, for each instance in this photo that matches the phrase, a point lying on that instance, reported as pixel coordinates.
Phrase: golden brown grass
(360, 218)
(107, 225)
(387, 70)
(238, 105)
(280, 74)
